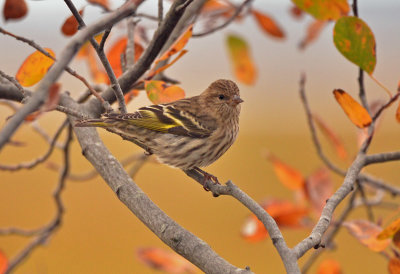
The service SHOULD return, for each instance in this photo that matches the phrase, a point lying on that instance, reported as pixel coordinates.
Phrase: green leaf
(324, 9)
(355, 40)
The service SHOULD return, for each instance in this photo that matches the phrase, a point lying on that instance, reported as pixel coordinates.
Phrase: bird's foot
(207, 177)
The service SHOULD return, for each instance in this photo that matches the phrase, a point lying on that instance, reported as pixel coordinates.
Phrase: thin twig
(103, 58)
(57, 219)
(67, 69)
(138, 165)
(365, 201)
(41, 159)
(160, 12)
(227, 22)
(13, 80)
(330, 234)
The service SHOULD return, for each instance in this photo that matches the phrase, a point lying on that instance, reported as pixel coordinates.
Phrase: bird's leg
(207, 176)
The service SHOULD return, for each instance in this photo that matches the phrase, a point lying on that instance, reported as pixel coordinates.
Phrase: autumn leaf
(398, 113)
(241, 59)
(289, 177)
(355, 40)
(34, 68)
(87, 47)
(394, 265)
(98, 75)
(51, 102)
(390, 230)
(366, 233)
(332, 137)
(70, 26)
(268, 24)
(216, 6)
(163, 260)
(285, 214)
(178, 45)
(115, 52)
(313, 31)
(323, 9)
(319, 188)
(296, 12)
(329, 266)
(159, 92)
(363, 134)
(14, 9)
(156, 70)
(3, 262)
(356, 113)
(102, 3)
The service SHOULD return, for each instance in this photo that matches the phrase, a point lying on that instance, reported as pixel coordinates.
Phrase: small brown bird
(189, 133)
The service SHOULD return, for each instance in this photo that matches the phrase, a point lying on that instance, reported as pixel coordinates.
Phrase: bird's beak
(237, 99)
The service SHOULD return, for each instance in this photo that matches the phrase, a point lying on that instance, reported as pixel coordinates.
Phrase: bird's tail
(92, 123)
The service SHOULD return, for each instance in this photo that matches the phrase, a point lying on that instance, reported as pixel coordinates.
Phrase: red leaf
(313, 31)
(3, 263)
(289, 177)
(102, 3)
(318, 188)
(329, 266)
(163, 260)
(366, 233)
(14, 9)
(268, 24)
(296, 12)
(70, 26)
(332, 137)
(285, 213)
(394, 265)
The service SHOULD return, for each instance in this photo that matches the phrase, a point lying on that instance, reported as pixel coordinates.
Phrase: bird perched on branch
(188, 134)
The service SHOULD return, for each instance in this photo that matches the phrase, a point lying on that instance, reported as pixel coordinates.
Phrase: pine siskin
(188, 133)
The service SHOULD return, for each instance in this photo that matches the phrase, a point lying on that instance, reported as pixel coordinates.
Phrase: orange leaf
(394, 265)
(398, 113)
(178, 45)
(374, 106)
(390, 230)
(323, 9)
(130, 95)
(366, 233)
(313, 31)
(329, 266)
(102, 3)
(34, 68)
(98, 75)
(285, 213)
(14, 9)
(243, 64)
(163, 260)
(214, 5)
(118, 48)
(268, 24)
(289, 177)
(157, 71)
(158, 92)
(357, 114)
(3, 263)
(396, 239)
(331, 136)
(70, 26)
(318, 188)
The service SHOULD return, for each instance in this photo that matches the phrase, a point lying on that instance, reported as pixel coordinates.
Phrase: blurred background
(100, 235)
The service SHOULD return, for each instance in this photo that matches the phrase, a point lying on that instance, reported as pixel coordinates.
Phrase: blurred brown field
(100, 235)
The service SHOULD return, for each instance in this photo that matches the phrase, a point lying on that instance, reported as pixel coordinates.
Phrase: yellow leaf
(390, 230)
(356, 113)
(243, 64)
(34, 68)
(159, 92)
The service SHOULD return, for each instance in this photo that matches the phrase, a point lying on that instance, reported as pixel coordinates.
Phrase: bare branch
(227, 22)
(14, 81)
(39, 97)
(48, 230)
(41, 159)
(103, 58)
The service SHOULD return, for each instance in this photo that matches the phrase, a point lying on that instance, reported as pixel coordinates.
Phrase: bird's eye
(221, 97)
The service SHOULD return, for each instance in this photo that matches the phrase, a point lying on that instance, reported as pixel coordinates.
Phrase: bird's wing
(167, 119)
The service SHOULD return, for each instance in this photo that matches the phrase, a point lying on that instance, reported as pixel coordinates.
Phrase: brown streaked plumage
(188, 133)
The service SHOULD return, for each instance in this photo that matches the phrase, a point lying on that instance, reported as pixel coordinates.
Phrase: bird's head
(223, 97)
